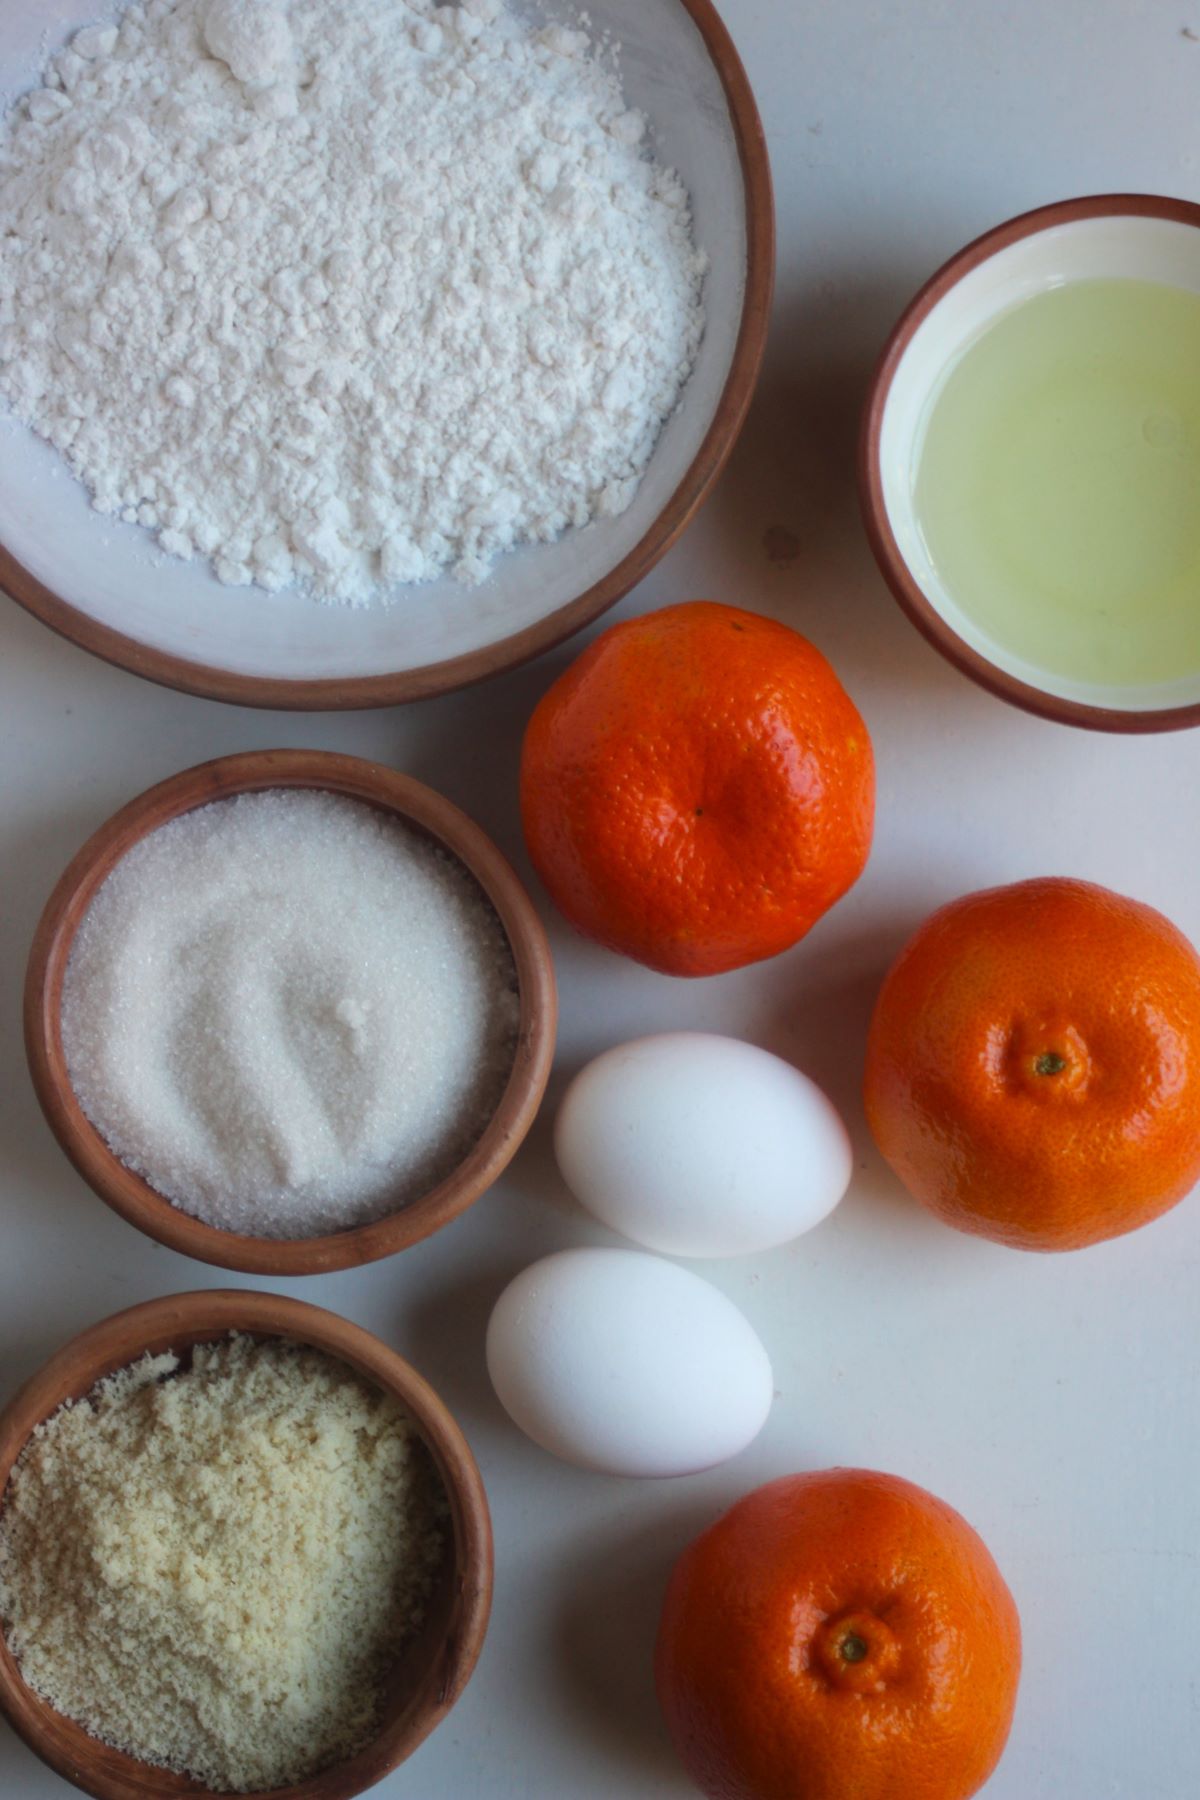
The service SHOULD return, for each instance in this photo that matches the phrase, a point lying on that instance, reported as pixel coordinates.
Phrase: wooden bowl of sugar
(433, 1664)
(289, 1011)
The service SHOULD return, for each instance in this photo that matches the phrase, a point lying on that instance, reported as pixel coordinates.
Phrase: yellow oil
(1058, 487)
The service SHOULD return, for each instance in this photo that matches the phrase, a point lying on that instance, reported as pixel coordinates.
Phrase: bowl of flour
(353, 350)
(289, 1012)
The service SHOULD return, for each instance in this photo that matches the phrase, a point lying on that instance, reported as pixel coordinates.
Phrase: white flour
(343, 291)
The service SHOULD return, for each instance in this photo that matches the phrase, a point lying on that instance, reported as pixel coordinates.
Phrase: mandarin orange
(1033, 1064)
(838, 1636)
(697, 789)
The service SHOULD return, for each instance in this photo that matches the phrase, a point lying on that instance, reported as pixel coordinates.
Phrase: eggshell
(697, 1145)
(627, 1364)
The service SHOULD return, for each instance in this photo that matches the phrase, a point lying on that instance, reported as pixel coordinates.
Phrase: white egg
(698, 1145)
(627, 1364)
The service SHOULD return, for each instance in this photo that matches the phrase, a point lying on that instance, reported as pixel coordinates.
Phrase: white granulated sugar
(347, 292)
(289, 1012)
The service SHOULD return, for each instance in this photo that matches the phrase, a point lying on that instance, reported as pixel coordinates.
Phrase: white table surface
(1053, 1400)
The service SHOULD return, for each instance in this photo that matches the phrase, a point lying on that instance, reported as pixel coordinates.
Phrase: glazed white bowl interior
(115, 574)
(1086, 249)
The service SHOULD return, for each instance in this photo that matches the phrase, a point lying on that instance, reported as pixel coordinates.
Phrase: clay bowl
(92, 579)
(131, 1196)
(1144, 236)
(434, 1667)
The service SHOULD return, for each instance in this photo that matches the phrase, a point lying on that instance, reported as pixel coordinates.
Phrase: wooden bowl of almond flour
(470, 1159)
(471, 450)
(434, 1661)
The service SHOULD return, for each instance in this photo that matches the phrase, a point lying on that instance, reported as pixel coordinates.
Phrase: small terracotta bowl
(134, 1198)
(434, 1667)
(1144, 236)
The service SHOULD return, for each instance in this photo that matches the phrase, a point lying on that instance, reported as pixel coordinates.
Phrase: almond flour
(213, 1567)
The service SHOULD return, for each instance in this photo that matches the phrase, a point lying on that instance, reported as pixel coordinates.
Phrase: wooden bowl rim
(247, 772)
(900, 579)
(397, 686)
(180, 1320)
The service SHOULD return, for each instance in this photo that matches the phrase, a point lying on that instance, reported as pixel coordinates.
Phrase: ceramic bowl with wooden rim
(433, 1668)
(415, 805)
(1106, 237)
(99, 582)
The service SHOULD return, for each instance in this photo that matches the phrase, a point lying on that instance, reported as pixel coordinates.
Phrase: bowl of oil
(1030, 462)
